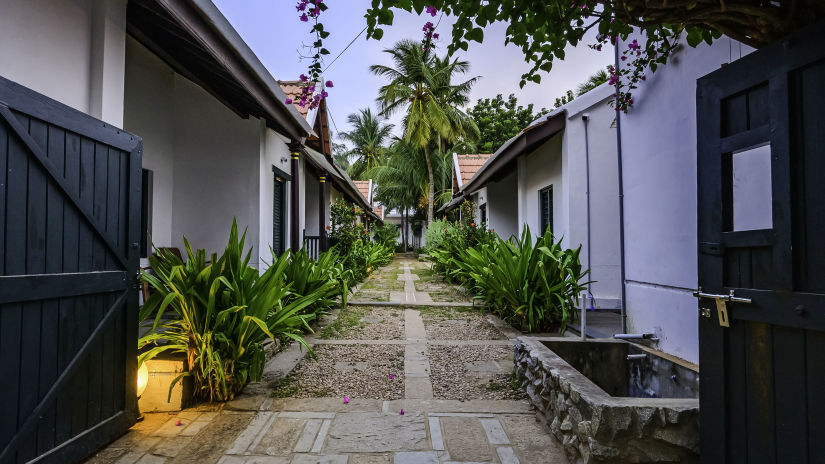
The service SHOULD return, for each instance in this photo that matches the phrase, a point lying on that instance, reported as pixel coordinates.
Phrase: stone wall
(596, 427)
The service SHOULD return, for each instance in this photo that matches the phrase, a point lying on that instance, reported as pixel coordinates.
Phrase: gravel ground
(439, 290)
(357, 371)
(454, 379)
(366, 323)
(452, 324)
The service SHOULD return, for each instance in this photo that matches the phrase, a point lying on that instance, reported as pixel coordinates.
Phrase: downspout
(585, 308)
(623, 307)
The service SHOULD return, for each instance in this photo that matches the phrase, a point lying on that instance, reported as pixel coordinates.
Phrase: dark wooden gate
(761, 199)
(69, 237)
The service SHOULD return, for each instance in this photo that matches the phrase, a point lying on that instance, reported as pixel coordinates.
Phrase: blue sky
(273, 31)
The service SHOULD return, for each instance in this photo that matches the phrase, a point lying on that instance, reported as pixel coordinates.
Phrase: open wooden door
(69, 246)
(761, 201)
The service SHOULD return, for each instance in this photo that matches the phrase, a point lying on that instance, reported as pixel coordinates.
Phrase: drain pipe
(623, 306)
(585, 120)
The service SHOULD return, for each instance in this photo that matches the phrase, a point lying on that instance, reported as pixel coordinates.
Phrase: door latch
(721, 305)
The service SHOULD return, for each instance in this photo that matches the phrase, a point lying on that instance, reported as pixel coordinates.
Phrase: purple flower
(432, 10)
(633, 45)
(392, 376)
(346, 399)
(303, 77)
(324, 94)
(329, 84)
(401, 412)
(288, 101)
(435, 36)
(304, 17)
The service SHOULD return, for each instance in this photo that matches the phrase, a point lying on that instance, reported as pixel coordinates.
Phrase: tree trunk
(431, 193)
(406, 228)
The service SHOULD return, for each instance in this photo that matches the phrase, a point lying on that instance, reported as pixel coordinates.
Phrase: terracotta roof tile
(379, 211)
(469, 165)
(364, 188)
(292, 89)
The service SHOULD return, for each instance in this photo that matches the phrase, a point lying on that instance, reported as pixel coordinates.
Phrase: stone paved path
(474, 415)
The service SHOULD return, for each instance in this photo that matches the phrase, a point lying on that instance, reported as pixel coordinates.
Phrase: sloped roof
(468, 165)
(379, 211)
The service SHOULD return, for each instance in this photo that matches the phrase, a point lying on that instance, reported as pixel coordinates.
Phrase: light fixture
(142, 379)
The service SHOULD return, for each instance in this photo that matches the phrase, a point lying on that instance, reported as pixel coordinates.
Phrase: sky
(272, 30)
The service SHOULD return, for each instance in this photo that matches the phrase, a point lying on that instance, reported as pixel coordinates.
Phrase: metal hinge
(721, 305)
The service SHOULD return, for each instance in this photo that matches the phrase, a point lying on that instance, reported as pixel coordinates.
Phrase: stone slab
(507, 456)
(436, 438)
(326, 405)
(308, 436)
(466, 440)
(376, 433)
(256, 427)
(151, 459)
(322, 436)
(455, 406)
(495, 433)
(428, 457)
(418, 388)
(281, 437)
(529, 439)
(324, 459)
(370, 459)
(307, 415)
(416, 366)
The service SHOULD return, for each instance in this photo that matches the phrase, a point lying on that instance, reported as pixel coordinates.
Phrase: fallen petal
(401, 412)
(179, 422)
(346, 400)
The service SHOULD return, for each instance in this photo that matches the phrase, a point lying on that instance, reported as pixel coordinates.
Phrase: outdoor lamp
(142, 379)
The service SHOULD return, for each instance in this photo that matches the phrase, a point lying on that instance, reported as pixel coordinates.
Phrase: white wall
(659, 151)
(538, 170)
(502, 206)
(312, 187)
(274, 152)
(205, 158)
(604, 255)
(69, 50)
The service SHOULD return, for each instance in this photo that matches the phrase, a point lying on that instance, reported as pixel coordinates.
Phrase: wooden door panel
(70, 193)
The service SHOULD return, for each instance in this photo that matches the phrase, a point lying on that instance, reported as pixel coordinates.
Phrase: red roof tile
(292, 89)
(468, 165)
(364, 188)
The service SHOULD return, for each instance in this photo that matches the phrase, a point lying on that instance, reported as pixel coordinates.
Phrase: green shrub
(533, 286)
(386, 234)
(307, 276)
(436, 233)
(223, 312)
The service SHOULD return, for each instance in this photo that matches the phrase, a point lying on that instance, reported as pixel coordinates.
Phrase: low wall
(596, 427)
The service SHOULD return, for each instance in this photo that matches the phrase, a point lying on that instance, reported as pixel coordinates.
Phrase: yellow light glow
(142, 379)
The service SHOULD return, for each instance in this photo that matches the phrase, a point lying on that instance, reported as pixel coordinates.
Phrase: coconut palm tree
(421, 85)
(368, 134)
(591, 83)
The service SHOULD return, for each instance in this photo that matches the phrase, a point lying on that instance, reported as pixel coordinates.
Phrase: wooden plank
(101, 174)
(760, 406)
(736, 388)
(31, 287)
(29, 381)
(10, 324)
(790, 393)
(85, 202)
(67, 336)
(81, 376)
(815, 366)
(4, 182)
(94, 381)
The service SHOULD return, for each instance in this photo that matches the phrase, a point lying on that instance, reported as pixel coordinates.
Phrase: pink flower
(401, 412)
(432, 11)
(179, 423)
(392, 376)
(346, 399)
(329, 84)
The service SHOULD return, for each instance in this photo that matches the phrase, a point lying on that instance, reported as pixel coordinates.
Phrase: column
(323, 204)
(295, 200)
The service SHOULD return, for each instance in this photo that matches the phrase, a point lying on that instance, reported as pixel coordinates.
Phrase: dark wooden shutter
(69, 244)
(278, 203)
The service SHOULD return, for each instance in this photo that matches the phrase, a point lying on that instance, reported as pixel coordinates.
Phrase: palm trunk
(431, 194)
(406, 228)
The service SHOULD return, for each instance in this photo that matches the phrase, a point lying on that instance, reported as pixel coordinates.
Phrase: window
(145, 212)
(482, 211)
(546, 209)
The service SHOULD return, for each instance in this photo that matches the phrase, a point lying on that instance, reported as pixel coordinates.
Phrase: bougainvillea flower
(304, 17)
(329, 84)
(432, 11)
(179, 422)
(346, 399)
(303, 77)
(401, 412)
(392, 376)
